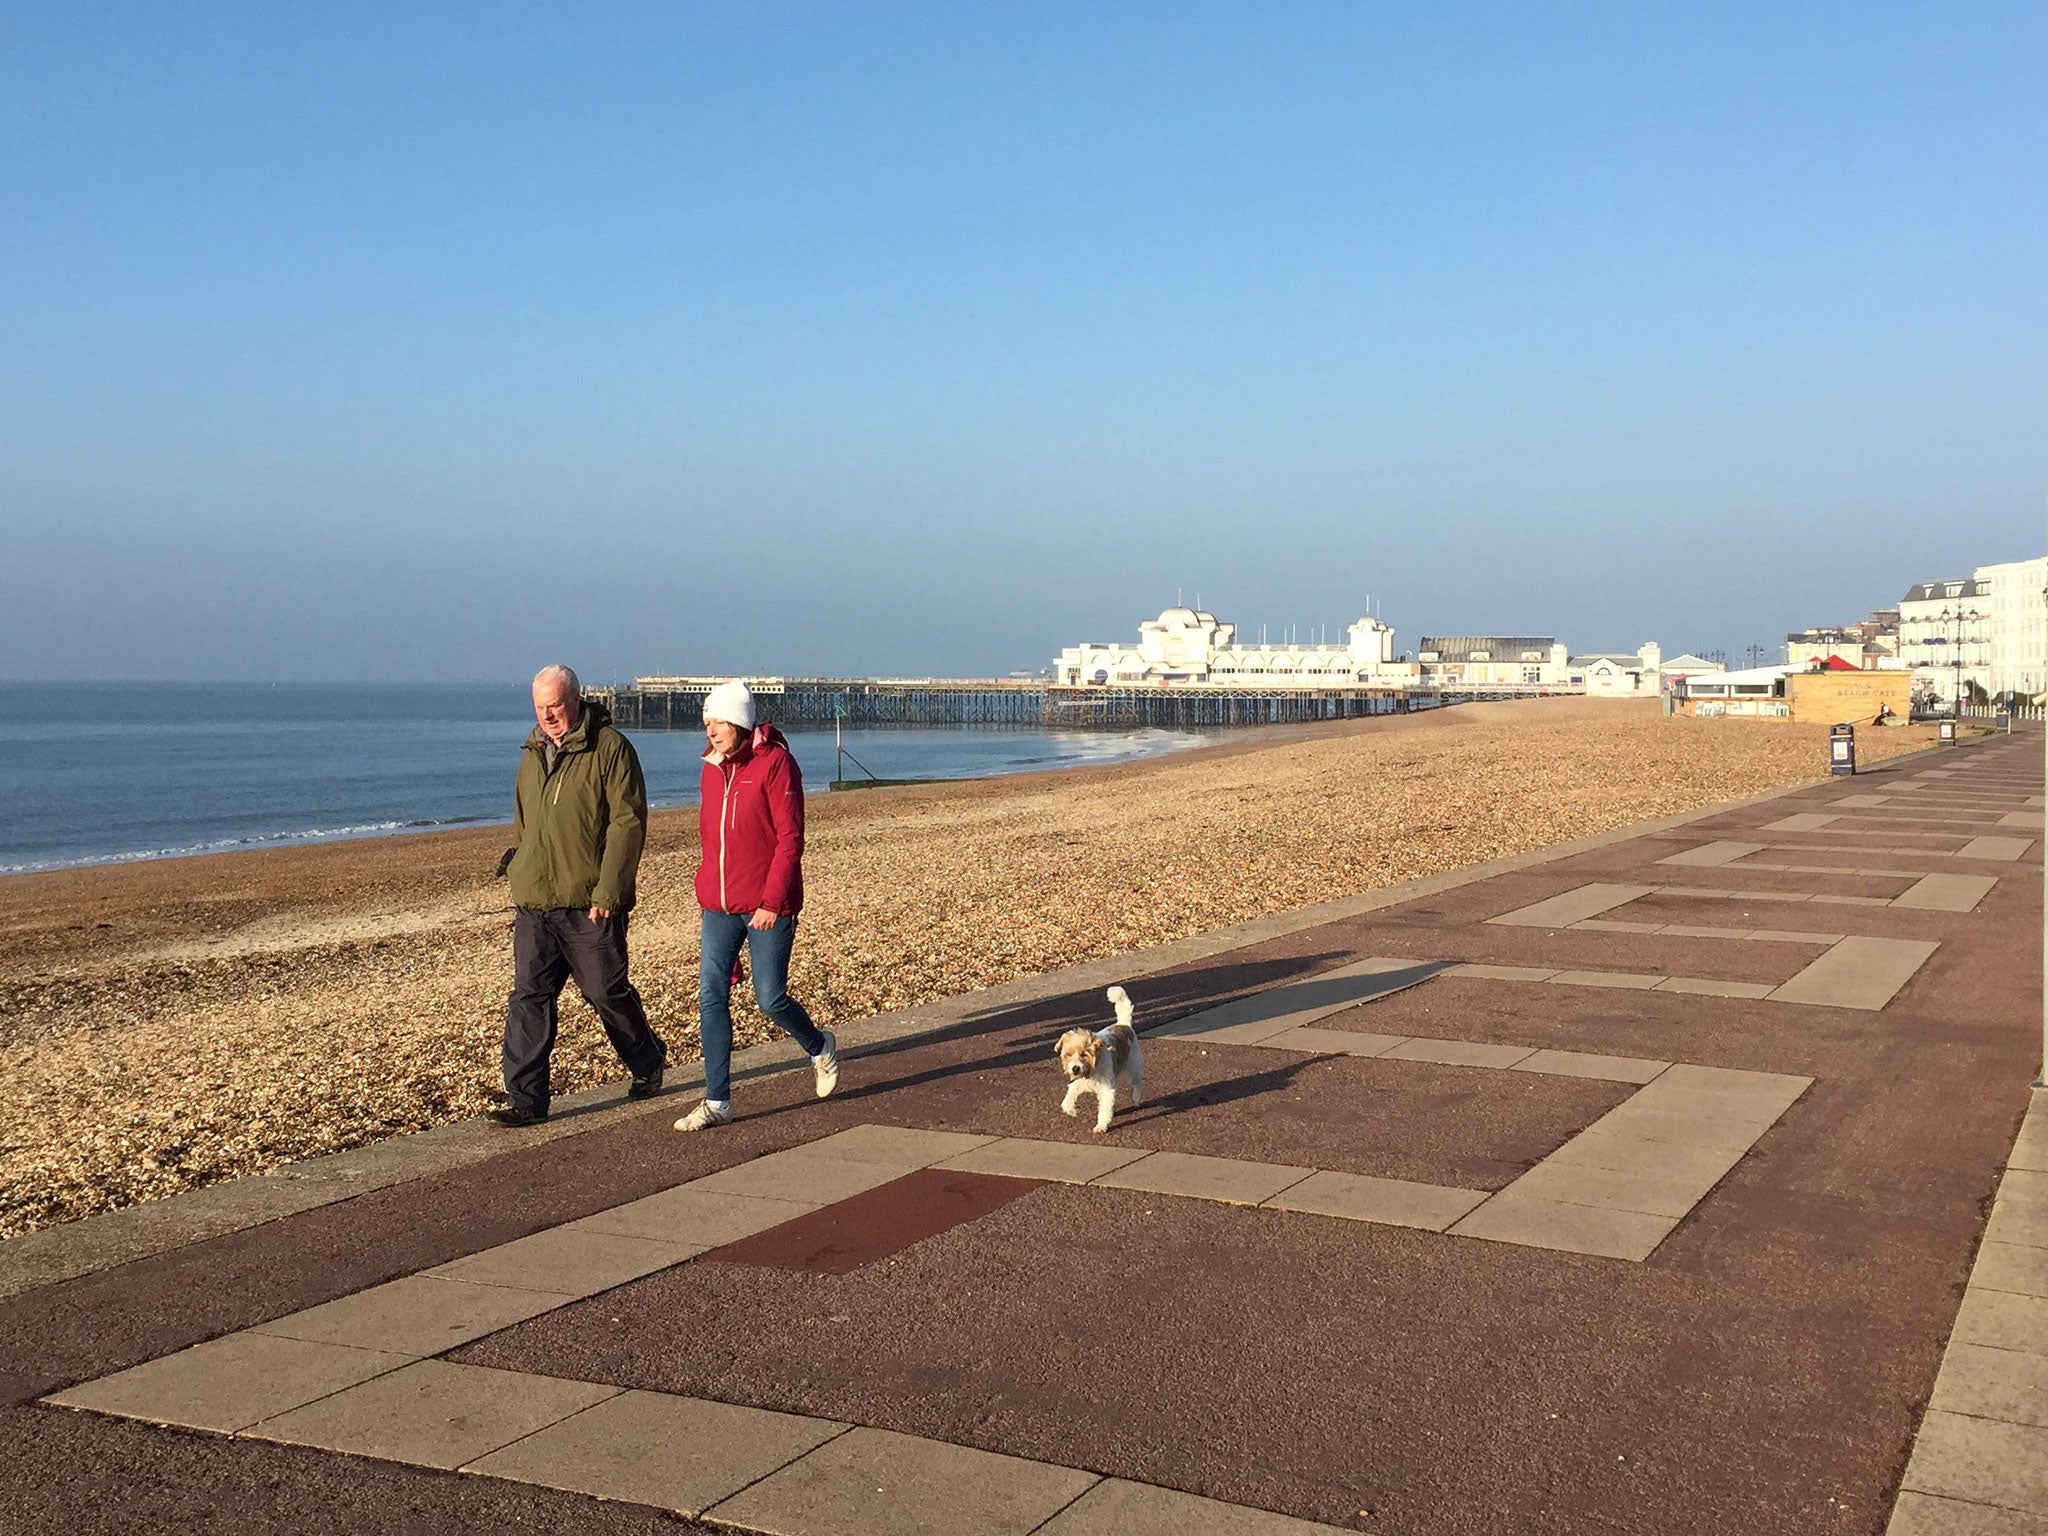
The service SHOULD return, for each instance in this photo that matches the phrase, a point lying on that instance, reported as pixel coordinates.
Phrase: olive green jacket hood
(580, 827)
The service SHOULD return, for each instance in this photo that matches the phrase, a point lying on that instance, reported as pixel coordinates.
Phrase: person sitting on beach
(580, 812)
(750, 884)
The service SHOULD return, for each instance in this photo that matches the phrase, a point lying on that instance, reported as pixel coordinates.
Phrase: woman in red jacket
(750, 817)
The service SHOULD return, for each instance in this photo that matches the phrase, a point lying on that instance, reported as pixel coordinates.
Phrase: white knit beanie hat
(731, 703)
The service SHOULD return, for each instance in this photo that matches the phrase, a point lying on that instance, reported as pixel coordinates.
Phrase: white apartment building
(1188, 645)
(2014, 600)
(1989, 629)
(1940, 637)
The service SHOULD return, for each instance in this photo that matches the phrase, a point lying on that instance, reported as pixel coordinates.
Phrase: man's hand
(763, 918)
(598, 914)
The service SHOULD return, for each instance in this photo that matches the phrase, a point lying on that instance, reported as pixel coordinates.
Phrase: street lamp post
(1960, 616)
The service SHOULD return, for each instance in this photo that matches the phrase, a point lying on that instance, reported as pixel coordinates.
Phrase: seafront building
(2013, 598)
(1638, 674)
(1192, 647)
(1871, 644)
(1983, 636)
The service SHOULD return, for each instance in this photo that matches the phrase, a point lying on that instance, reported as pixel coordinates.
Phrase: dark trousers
(548, 948)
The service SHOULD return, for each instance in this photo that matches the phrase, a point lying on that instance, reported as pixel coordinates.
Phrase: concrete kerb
(108, 1240)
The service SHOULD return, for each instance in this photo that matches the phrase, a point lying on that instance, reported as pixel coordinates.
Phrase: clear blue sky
(437, 341)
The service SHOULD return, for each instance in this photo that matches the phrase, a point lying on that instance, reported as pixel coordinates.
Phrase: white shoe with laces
(826, 1065)
(705, 1116)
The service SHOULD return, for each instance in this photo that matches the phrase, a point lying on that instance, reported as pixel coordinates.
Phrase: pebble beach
(172, 1024)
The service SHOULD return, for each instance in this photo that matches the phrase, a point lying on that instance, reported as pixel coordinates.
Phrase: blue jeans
(718, 946)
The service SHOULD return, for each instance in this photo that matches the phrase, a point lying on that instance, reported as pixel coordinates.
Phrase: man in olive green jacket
(580, 812)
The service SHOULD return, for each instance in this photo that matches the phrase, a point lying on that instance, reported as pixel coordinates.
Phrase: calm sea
(105, 773)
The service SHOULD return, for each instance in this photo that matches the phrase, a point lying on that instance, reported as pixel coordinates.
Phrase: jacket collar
(761, 736)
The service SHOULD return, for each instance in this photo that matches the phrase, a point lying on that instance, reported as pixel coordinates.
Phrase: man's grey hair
(559, 674)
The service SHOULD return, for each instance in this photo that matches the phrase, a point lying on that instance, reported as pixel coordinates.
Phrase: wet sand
(170, 1024)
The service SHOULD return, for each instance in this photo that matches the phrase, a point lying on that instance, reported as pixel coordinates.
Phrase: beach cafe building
(1190, 645)
(1827, 694)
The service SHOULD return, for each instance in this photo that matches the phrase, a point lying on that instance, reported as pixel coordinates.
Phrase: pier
(676, 703)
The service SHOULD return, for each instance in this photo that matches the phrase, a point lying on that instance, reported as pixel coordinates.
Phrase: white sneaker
(826, 1065)
(704, 1116)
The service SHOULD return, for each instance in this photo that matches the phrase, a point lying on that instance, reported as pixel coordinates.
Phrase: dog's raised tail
(1122, 999)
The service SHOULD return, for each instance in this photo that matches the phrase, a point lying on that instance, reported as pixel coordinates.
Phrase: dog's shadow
(1228, 1090)
(1024, 1035)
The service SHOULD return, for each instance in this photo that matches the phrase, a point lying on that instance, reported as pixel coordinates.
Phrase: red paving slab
(1763, 1371)
(876, 1223)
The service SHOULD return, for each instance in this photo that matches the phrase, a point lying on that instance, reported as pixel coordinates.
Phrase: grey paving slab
(875, 1482)
(1628, 1153)
(903, 1147)
(1644, 1188)
(2029, 819)
(1602, 925)
(805, 1180)
(678, 1453)
(1537, 1223)
(2002, 1320)
(1991, 1383)
(2022, 1186)
(1503, 972)
(694, 1217)
(1708, 855)
(1609, 1069)
(2002, 848)
(1801, 821)
(573, 1261)
(1572, 906)
(1458, 1053)
(1859, 973)
(1114, 1507)
(1981, 1461)
(1390, 1202)
(1700, 1084)
(432, 1413)
(1860, 801)
(1249, 1020)
(2018, 1224)
(1946, 893)
(230, 1383)
(1922, 1514)
(1061, 1161)
(1712, 1118)
(1227, 1179)
(418, 1315)
(1331, 1042)
(1708, 986)
(1697, 931)
(1889, 830)
(2017, 1267)
(1627, 980)
(2030, 1150)
(1650, 1130)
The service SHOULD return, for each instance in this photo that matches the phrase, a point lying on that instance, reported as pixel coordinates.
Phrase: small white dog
(1096, 1061)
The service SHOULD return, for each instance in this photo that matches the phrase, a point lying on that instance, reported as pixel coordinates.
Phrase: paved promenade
(1682, 1180)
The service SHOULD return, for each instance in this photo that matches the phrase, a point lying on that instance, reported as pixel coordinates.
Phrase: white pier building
(1188, 645)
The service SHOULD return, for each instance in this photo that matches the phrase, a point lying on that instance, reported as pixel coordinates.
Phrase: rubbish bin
(1842, 749)
(1945, 733)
